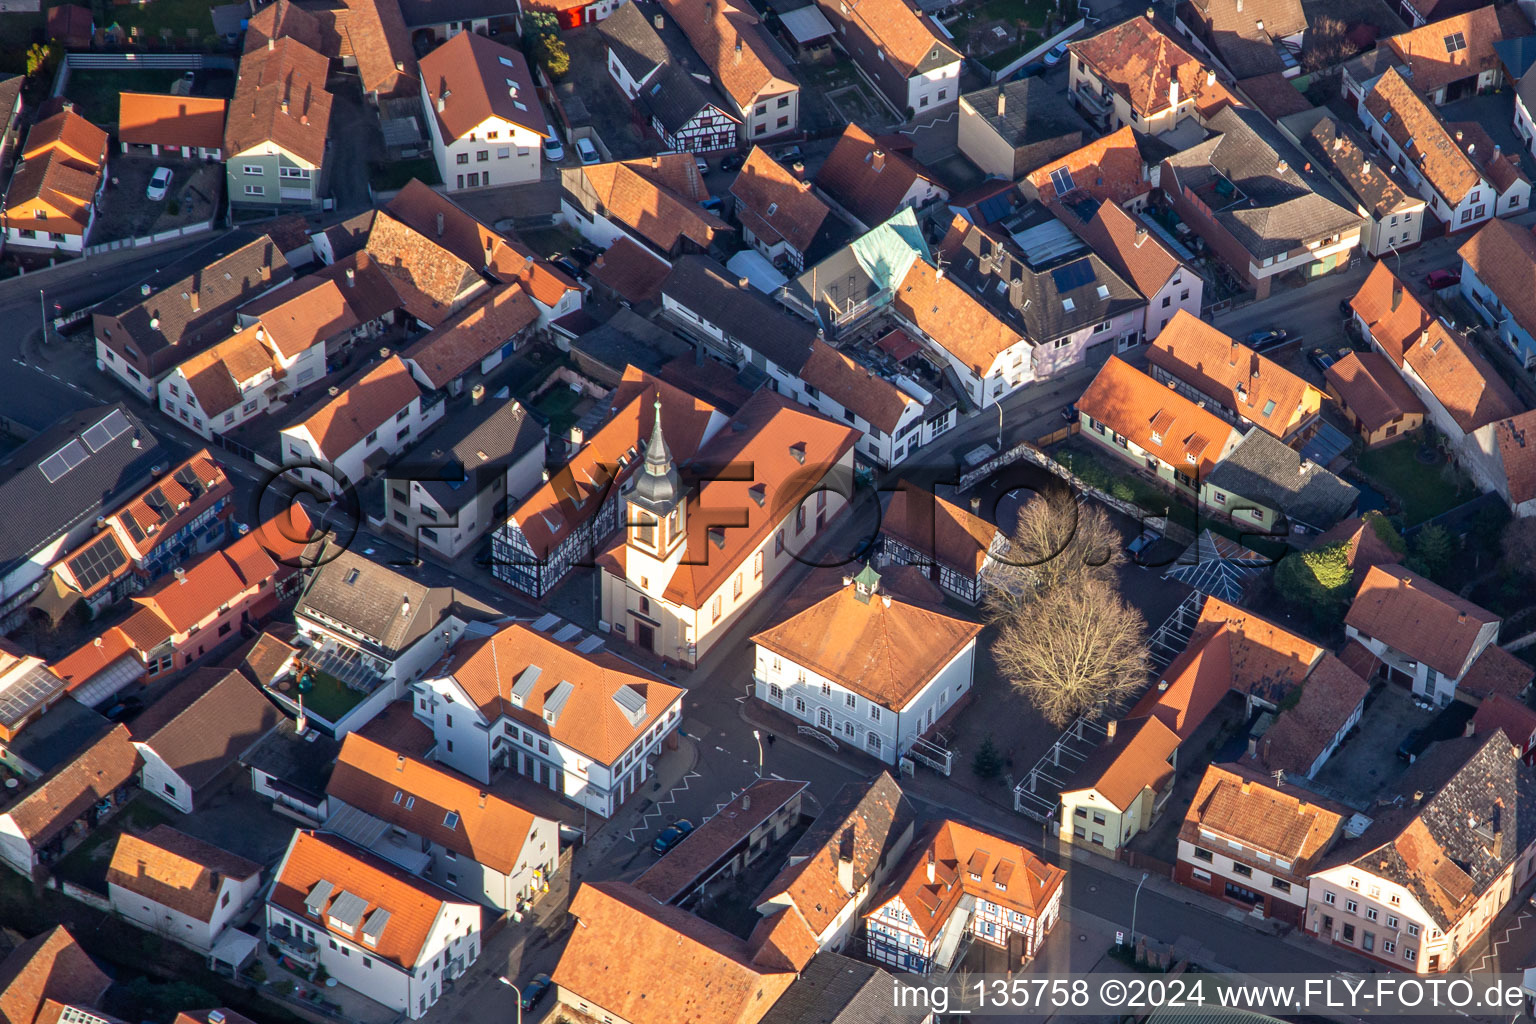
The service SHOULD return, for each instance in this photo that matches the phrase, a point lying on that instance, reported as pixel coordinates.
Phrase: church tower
(656, 520)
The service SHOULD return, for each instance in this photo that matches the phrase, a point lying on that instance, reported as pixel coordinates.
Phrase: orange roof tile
(152, 119)
(783, 941)
(1461, 380)
(1366, 547)
(955, 321)
(677, 969)
(943, 531)
(1495, 672)
(459, 343)
(856, 387)
(381, 42)
(280, 98)
(432, 281)
(1139, 61)
(1330, 696)
(729, 827)
(1503, 255)
(1371, 388)
(1426, 142)
(48, 966)
(885, 646)
(775, 205)
(72, 789)
(73, 137)
(1131, 251)
(487, 829)
(591, 720)
(630, 271)
(905, 36)
(1010, 876)
(1501, 712)
(301, 315)
(362, 407)
(1236, 804)
(86, 661)
(1110, 170)
(280, 19)
(1516, 439)
(1127, 401)
(729, 37)
(1261, 390)
(207, 473)
(1135, 758)
(1434, 65)
(412, 904)
(866, 178)
(216, 374)
(476, 79)
(1425, 621)
(657, 198)
(175, 870)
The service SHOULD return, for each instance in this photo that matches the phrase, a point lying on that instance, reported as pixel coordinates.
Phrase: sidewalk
(609, 841)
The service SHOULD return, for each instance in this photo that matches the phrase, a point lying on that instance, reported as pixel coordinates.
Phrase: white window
(255, 169)
(255, 190)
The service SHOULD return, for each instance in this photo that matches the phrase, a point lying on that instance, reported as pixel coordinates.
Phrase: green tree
(1385, 531)
(988, 763)
(1431, 551)
(551, 52)
(1316, 577)
(41, 58)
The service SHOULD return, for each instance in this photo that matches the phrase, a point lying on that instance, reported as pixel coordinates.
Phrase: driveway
(354, 143)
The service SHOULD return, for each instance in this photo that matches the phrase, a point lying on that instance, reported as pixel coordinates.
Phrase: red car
(1438, 279)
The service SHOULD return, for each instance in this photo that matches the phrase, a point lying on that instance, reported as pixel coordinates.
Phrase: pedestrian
(770, 739)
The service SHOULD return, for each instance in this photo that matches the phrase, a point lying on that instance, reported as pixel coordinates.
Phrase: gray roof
(834, 282)
(832, 989)
(703, 285)
(467, 449)
(1263, 469)
(674, 95)
(301, 762)
(1481, 814)
(1362, 171)
(393, 610)
(1035, 300)
(1518, 54)
(439, 12)
(1284, 208)
(54, 738)
(629, 339)
(38, 511)
(1033, 112)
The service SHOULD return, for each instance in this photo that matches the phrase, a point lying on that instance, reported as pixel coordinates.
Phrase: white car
(1055, 54)
(587, 152)
(159, 184)
(553, 151)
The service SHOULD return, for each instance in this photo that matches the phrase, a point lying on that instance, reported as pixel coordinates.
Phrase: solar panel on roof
(132, 526)
(105, 430)
(53, 467)
(97, 562)
(189, 480)
(1074, 275)
(156, 500)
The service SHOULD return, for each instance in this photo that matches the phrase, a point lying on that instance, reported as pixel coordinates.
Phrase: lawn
(95, 92)
(396, 174)
(87, 863)
(186, 19)
(1422, 492)
(328, 697)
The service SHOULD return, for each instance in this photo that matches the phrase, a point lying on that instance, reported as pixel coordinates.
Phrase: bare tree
(1056, 543)
(1519, 545)
(1072, 648)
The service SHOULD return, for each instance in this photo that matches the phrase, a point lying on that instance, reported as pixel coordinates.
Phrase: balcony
(1096, 107)
(291, 946)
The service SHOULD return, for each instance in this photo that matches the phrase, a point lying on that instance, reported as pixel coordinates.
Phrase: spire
(659, 488)
(866, 584)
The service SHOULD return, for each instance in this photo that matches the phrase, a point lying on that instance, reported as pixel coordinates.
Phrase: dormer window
(1189, 457)
(451, 820)
(1157, 438)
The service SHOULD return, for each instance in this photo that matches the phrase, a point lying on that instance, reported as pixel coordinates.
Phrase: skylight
(505, 61)
(451, 819)
(1061, 180)
(1455, 41)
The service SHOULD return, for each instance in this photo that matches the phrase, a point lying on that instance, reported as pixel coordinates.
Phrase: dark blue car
(672, 835)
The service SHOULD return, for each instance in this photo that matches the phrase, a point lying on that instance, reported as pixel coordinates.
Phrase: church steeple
(656, 502)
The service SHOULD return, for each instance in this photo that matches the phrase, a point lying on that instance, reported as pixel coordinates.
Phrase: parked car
(701, 164)
(1055, 54)
(159, 184)
(732, 161)
(712, 204)
(1139, 547)
(1443, 278)
(672, 835)
(1030, 70)
(1413, 745)
(535, 990)
(1069, 414)
(789, 155)
(124, 708)
(1321, 359)
(568, 265)
(584, 254)
(1269, 336)
(587, 152)
(553, 151)
(1346, 310)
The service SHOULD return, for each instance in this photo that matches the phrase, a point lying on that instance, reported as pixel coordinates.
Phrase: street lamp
(999, 426)
(519, 992)
(1134, 901)
(759, 737)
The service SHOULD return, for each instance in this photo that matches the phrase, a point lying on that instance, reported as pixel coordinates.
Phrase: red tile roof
(866, 177)
(1130, 249)
(1140, 62)
(1370, 387)
(1426, 142)
(885, 646)
(729, 37)
(775, 205)
(591, 720)
(657, 198)
(1502, 255)
(470, 335)
(1010, 876)
(1434, 65)
(905, 36)
(175, 870)
(1110, 170)
(413, 905)
(630, 271)
(1133, 759)
(79, 141)
(855, 387)
(1501, 712)
(1495, 672)
(69, 791)
(1425, 621)
(153, 119)
(1246, 808)
(280, 98)
(1331, 694)
(472, 78)
(1365, 545)
(362, 408)
(938, 529)
(1157, 419)
(950, 316)
(48, 966)
(1516, 439)
(727, 828)
(381, 43)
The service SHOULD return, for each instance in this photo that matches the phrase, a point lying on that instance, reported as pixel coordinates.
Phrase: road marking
(777, 776)
(655, 810)
(1494, 951)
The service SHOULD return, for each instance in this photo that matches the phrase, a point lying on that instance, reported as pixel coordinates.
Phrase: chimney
(1002, 103)
(154, 323)
(1210, 76)
(482, 798)
(845, 860)
(877, 160)
(439, 225)
(271, 44)
(477, 394)
(399, 65)
(196, 303)
(798, 170)
(405, 606)
(1173, 92)
(181, 575)
(351, 277)
(285, 108)
(1418, 797)
(1365, 167)
(1397, 294)
(930, 865)
(399, 762)
(1109, 729)
(1141, 234)
(743, 282)
(440, 104)
(746, 801)
(659, 22)
(1280, 167)
(1458, 135)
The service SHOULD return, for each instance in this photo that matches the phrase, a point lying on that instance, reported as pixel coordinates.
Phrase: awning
(898, 345)
(234, 948)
